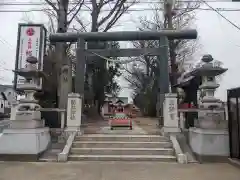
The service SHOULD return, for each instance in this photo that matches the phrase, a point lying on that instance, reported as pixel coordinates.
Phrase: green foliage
(112, 86)
(104, 79)
(144, 84)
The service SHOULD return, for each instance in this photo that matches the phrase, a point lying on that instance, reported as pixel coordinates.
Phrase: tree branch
(114, 20)
(52, 5)
(79, 4)
(83, 27)
(118, 4)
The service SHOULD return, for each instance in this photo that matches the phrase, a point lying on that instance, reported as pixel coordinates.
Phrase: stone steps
(120, 137)
(120, 144)
(122, 151)
(162, 158)
(120, 147)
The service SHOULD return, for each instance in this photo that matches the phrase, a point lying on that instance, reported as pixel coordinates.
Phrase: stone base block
(166, 129)
(70, 130)
(211, 159)
(206, 123)
(234, 162)
(27, 124)
(209, 145)
(23, 144)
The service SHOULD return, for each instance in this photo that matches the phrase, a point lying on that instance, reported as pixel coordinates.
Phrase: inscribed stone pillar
(170, 113)
(80, 67)
(163, 80)
(74, 112)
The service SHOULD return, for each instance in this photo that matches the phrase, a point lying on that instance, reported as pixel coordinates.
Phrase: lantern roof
(208, 67)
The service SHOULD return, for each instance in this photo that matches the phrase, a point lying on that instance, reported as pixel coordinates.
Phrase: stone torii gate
(161, 52)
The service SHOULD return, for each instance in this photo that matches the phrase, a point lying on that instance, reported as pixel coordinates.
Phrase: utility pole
(168, 24)
(63, 64)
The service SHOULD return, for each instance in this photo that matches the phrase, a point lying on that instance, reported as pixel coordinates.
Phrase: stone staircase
(118, 147)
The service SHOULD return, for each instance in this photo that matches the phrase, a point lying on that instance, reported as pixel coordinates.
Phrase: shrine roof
(119, 101)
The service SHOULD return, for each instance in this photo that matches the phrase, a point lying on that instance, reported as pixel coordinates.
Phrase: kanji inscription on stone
(171, 109)
(73, 109)
(171, 106)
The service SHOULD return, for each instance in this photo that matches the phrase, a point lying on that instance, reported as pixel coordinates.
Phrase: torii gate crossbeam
(123, 35)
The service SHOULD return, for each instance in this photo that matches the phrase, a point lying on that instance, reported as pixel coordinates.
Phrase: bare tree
(183, 49)
(62, 13)
(104, 14)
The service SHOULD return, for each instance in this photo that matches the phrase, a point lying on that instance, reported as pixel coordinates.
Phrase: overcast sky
(216, 35)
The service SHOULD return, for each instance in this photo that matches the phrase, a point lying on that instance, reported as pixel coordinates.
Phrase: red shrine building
(119, 104)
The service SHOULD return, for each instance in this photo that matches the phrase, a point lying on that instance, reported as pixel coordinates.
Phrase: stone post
(74, 112)
(13, 111)
(170, 114)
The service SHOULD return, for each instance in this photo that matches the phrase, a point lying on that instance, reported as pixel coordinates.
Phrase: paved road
(117, 171)
(3, 124)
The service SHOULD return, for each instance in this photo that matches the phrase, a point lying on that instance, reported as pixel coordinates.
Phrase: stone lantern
(208, 72)
(27, 134)
(29, 104)
(209, 137)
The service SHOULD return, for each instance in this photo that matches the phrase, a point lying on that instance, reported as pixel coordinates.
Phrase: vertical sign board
(31, 42)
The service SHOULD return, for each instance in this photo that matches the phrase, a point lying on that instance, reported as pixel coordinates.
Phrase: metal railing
(61, 111)
(57, 133)
(202, 110)
(6, 123)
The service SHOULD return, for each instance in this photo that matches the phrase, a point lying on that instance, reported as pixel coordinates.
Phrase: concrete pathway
(136, 130)
(148, 124)
(102, 127)
(117, 171)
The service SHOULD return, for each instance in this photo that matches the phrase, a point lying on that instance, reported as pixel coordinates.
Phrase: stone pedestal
(206, 123)
(26, 138)
(74, 112)
(26, 119)
(23, 144)
(209, 144)
(170, 114)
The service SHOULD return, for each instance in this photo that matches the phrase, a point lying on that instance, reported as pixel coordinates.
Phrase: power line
(214, 9)
(217, 10)
(222, 32)
(89, 2)
(130, 10)
(131, 1)
(3, 41)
